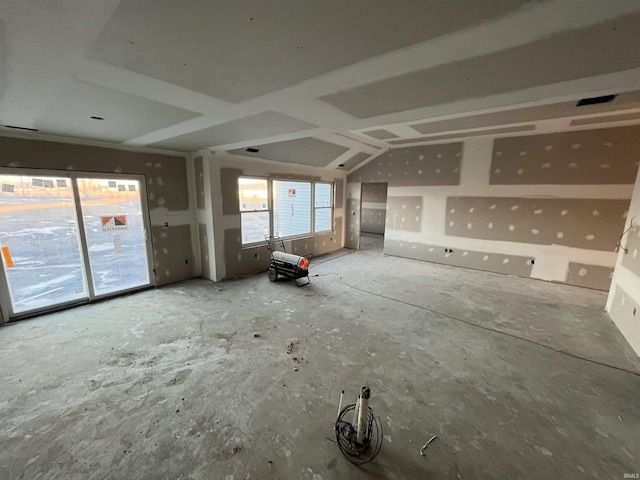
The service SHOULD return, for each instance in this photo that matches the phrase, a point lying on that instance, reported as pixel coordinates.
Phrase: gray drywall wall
(373, 220)
(423, 165)
(578, 223)
(229, 189)
(339, 192)
(590, 276)
(166, 178)
(203, 241)
(404, 213)
(631, 258)
(352, 238)
(374, 208)
(586, 157)
(374, 193)
(490, 262)
(354, 161)
(173, 253)
(199, 174)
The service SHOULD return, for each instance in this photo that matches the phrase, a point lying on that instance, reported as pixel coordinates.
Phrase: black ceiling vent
(253, 150)
(22, 128)
(341, 165)
(596, 100)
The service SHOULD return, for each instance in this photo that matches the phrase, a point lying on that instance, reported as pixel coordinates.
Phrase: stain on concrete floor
(172, 383)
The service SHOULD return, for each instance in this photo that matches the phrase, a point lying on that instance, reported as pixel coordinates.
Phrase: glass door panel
(115, 233)
(39, 242)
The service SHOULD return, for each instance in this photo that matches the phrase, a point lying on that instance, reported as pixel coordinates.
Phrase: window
(284, 208)
(291, 208)
(322, 207)
(254, 209)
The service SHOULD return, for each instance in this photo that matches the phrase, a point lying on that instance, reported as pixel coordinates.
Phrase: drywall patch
(204, 251)
(199, 173)
(243, 261)
(404, 213)
(374, 192)
(590, 276)
(352, 239)
(563, 221)
(229, 189)
(422, 165)
(631, 259)
(490, 262)
(373, 220)
(605, 156)
(476, 133)
(179, 264)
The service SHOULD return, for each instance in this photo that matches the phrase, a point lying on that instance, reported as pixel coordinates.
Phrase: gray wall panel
(579, 223)
(199, 174)
(587, 157)
(374, 193)
(590, 276)
(229, 188)
(404, 213)
(339, 196)
(373, 220)
(173, 253)
(491, 262)
(421, 165)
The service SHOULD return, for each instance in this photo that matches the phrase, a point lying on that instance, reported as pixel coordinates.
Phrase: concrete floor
(517, 378)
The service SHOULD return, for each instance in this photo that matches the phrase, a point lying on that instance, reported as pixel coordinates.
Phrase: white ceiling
(227, 75)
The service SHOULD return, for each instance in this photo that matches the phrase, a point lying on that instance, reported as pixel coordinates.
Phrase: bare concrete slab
(518, 378)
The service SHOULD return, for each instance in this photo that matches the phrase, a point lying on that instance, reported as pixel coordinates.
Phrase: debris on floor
(424, 447)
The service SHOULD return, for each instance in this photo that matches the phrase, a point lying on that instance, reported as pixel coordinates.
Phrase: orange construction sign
(6, 254)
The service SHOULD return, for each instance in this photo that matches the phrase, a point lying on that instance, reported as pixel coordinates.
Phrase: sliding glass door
(41, 254)
(115, 233)
(67, 239)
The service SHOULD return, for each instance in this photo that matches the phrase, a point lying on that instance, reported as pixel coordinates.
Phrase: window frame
(271, 207)
(315, 209)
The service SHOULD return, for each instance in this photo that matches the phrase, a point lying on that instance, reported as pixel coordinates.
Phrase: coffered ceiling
(318, 83)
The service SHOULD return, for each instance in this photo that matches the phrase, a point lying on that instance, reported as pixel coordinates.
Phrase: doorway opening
(373, 216)
(68, 239)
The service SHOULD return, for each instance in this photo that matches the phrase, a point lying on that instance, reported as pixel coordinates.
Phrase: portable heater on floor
(287, 265)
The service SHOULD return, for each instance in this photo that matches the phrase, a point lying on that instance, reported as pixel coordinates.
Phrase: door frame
(5, 301)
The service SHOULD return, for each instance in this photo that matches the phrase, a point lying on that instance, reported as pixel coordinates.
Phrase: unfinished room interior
(221, 220)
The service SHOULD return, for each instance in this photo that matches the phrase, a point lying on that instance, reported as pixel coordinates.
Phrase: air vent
(341, 165)
(253, 150)
(22, 128)
(596, 100)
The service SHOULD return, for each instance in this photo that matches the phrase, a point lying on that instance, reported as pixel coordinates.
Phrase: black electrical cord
(358, 454)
